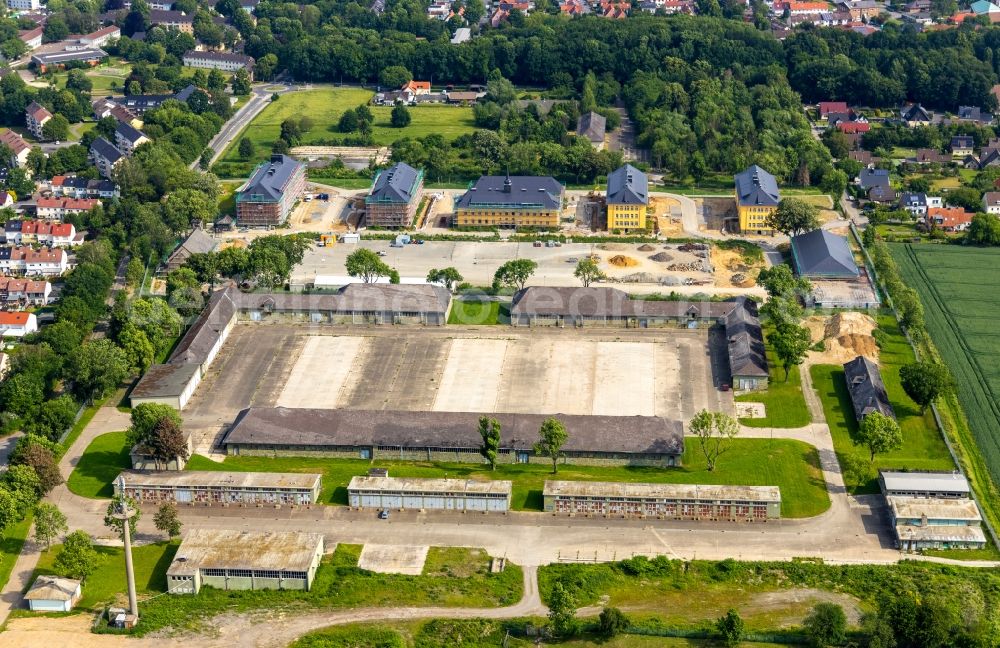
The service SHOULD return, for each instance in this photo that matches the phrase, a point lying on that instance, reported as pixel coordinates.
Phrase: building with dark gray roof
(593, 126)
(627, 199)
(821, 255)
(167, 384)
(105, 156)
(197, 242)
(745, 347)
(757, 187)
(273, 189)
(43, 62)
(511, 201)
(394, 196)
(139, 104)
(449, 436)
(864, 384)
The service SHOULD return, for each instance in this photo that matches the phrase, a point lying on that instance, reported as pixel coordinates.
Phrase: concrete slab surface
(394, 559)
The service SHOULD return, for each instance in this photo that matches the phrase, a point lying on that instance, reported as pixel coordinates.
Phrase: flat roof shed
(924, 483)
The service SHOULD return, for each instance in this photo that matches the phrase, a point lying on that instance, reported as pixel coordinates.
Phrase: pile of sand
(646, 247)
(613, 246)
(845, 336)
(622, 261)
(662, 256)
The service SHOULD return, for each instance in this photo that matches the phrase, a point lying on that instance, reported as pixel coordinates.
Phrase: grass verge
(101, 462)
(784, 404)
(791, 465)
(11, 542)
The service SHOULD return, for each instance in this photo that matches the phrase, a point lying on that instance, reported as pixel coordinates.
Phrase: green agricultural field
(791, 465)
(923, 447)
(957, 286)
(784, 404)
(326, 106)
(102, 461)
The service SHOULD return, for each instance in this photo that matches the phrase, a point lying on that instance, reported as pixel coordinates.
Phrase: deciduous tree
(925, 382)
(715, 432)
(730, 628)
(552, 437)
(489, 430)
(49, 523)
(400, 117)
(167, 520)
(587, 271)
(562, 610)
(612, 622)
(77, 558)
(826, 625)
(514, 274)
(449, 277)
(366, 265)
(246, 149)
(793, 216)
(879, 433)
(96, 368)
(790, 343)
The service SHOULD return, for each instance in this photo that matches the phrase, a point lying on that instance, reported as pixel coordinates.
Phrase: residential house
(53, 594)
(869, 178)
(797, 8)
(35, 118)
(29, 261)
(821, 255)
(417, 88)
(462, 34)
(860, 9)
(511, 201)
(31, 37)
(627, 199)
(931, 156)
(989, 157)
(172, 20)
(465, 98)
(17, 324)
(864, 157)
(225, 61)
(24, 5)
(974, 114)
(835, 19)
(827, 107)
(865, 386)
(15, 291)
(592, 126)
(139, 104)
(757, 196)
(273, 189)
(915, 115)
(58, 60)
(71, 186)
(39, 232)
(991, 202)
(393, 198)
(985, 8)
(6, 199)
(915, 203)
(128, 139)
(59, 208)
(105, 156)
(101, 37)
(197, 242)
(18, 147)
(962, 145)
(882, 194)
(949, 219)
(852, 127)
(109, 108)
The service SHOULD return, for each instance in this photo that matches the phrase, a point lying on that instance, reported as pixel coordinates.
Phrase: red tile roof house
(25, 260)
(853, 127)
(417, 87)
(35, 116)
(17, 145)
(949, 219)
(27, 291)
(41, 233)
(17, 324)
(58, 208)
(827, 107)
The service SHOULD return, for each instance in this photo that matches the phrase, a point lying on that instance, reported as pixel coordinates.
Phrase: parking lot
(671, 373)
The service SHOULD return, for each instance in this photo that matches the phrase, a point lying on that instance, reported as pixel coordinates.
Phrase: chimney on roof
(276, 158)
(507, 184)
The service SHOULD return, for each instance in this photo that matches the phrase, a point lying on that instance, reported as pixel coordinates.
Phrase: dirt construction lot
(671, 373)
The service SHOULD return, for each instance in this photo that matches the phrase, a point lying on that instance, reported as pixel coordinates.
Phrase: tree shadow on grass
(102, 466)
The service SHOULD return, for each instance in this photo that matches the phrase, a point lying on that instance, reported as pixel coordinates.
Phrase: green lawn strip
(923, 448)
(664, 588)
(474, 312)
(81, 423)
(463, 580)
(101, 462)
(107, 583)
(784, 404)
(791, 465)
(325, 106)
(11, 542)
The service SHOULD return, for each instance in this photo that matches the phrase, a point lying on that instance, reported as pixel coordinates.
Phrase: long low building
(450, 436)
(935, 523)
(245, 560)
(211, 487)
(429, 494)
(924, 484)
(680, 501)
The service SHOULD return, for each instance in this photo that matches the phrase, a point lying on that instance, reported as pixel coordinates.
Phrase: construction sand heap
(646, 247)
(845, 336)
(622, 261)
(662, 257)
(614, 246)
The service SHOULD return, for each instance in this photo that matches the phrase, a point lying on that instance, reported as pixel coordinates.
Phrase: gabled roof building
(821, 255)
(627, 199)
(757, 196)
(592, 125)
(273, 189)
(864, 383)
(511, 201)
(393, 198)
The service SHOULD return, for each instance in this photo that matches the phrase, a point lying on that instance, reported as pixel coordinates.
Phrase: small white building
(24, 5)
(53, 594)
(991, 202)
(17, 324)
(225, 61)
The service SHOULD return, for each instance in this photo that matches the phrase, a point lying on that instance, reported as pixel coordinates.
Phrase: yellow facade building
(757, 197)
(627, 199)
(511, 201)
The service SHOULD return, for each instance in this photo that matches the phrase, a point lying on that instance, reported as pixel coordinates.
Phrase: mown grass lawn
(784, 404)
(791, 465)
(325, 106)
(11, 542)
(923, 447)
(108, 580)
(479, 312)
(101, 462)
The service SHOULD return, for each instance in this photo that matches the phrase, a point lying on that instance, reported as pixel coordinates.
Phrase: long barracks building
(511, 201)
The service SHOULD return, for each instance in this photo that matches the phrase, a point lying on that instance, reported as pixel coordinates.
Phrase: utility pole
(124, 513)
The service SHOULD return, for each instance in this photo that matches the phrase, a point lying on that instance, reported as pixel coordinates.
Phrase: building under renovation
(244, 560)
(436, 494)
(936, 523)
(678, 501)
(211, 487)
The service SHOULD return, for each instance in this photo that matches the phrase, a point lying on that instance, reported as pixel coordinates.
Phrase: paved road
(231, 129)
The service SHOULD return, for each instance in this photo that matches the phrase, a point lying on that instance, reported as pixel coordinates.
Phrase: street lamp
(124, 513)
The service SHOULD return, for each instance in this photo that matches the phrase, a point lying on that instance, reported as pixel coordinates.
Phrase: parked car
(383, 514)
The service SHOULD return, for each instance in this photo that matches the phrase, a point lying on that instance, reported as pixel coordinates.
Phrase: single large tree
(96, 368)
(880, 433)
(715, 432)
(562, 610)
(145, 417)
(400, 116)
(77, 558)
(780, 281)
(489, 430)
(449, 277)
(730, 628)
(925, 382)
(826, 625)
(166, 442)
(793, 216)
(366, 265)
(587, 271)
(551, 438)
(790, 342)
(167, 519)
(49, 523)
(514, 274)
